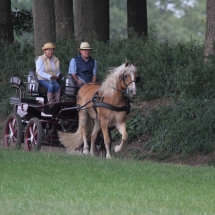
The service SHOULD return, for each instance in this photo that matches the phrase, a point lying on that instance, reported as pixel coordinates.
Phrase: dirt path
(136, 150)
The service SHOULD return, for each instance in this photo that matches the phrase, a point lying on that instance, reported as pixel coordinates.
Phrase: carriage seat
(34, 88)
(71, 88)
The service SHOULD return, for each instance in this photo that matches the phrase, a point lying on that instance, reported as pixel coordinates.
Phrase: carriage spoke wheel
(33, 135)
(13, 131)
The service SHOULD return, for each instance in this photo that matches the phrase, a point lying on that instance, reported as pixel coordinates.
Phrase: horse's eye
(125, 76)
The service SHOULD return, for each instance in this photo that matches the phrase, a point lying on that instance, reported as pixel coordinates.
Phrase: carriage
(34, 123)
(82, 125)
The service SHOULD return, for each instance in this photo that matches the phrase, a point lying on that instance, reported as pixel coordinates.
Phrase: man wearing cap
(83, 67)
(48, 71)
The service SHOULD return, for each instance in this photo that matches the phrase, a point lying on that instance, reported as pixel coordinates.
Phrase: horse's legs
(104, 126)
(96, 129)
(122, 129)
(83, 120)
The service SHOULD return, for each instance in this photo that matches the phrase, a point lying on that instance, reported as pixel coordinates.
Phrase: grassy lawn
(56, 183)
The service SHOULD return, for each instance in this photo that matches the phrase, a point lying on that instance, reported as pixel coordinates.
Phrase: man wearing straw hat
(83, 67)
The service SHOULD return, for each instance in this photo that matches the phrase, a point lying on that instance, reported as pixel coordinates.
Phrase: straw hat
(48, 46)
(85, 45)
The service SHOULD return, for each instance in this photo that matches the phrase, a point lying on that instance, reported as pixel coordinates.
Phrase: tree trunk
(137, 16)
(64, 19)
(209, 48)
(44, 23)
(92, 17)
(6, 27)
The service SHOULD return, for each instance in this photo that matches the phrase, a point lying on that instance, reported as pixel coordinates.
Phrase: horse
(104, 104)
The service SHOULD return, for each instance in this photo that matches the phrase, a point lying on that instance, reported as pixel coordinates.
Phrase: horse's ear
(126, 64)
(135, 64)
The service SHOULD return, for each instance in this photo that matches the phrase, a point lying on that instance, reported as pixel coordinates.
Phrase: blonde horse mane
(107, 87)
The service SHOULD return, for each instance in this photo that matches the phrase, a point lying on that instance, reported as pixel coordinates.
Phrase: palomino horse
(105, 104)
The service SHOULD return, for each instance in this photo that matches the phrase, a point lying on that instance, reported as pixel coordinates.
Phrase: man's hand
(80, 83)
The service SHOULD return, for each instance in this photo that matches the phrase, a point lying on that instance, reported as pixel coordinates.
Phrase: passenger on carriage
(48, 71)
(83, 67)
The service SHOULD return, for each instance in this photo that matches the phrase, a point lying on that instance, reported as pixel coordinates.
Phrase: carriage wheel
(13, 131)
(33, 135)
(100, 149)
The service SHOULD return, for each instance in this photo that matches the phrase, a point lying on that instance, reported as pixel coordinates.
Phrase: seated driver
(83, 67)
(48, 71)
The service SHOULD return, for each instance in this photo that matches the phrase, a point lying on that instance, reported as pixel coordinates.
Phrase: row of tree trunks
(64, 19)
(137, 16)
(53, 20)
(209, 48)
(44, 23)
(92, 18)
(6, 28)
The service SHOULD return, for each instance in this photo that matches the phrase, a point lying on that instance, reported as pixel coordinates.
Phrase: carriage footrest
(15, 100)
(18, 100)
(29, 101)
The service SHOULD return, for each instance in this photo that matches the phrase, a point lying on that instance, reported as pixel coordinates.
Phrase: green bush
(187, 126)
(135, 127)
(176, 71)
(16, 60)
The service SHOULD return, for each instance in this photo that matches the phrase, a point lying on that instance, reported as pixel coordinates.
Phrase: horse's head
(129, 78)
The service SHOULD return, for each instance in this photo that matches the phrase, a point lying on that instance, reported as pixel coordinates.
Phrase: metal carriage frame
(34, 123)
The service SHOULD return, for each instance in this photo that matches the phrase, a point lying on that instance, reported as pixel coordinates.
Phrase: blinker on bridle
(136, 81)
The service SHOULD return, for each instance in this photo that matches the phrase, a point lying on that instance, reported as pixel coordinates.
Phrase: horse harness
(98, 102)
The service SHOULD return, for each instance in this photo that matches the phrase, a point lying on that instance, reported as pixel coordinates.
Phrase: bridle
(126, 85)
(97, 101)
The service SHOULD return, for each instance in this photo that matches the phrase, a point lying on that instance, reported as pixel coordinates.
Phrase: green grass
(56, 183)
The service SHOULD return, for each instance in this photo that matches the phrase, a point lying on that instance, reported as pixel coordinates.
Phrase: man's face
(85, 53)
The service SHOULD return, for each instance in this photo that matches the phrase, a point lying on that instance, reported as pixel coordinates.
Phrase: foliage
(186, 127)
(172, 70)
(118, 20)
(135, 127)
(178, 20)
(16, 61)
(22, 21)
(22, 4)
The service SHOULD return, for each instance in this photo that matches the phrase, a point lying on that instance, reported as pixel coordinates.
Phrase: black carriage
(34, 123)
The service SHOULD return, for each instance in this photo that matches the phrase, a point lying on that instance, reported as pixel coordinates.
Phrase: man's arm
(80, 83)
(94, 79)
(94, 72)
(72, 71)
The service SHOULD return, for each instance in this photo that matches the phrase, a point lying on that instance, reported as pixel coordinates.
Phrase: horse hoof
(86, 152)
(72, 152)
(117, 149)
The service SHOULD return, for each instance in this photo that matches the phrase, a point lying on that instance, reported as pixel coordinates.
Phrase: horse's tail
(73, 141)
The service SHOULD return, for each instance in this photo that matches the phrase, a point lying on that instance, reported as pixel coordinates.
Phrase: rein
(96, 103)
(102, 104)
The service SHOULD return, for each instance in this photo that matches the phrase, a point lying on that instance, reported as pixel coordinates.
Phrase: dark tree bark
(44, 23)
(92, 17)
(209, 48)
(137, 16)
(6, 27)
(64, 19)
